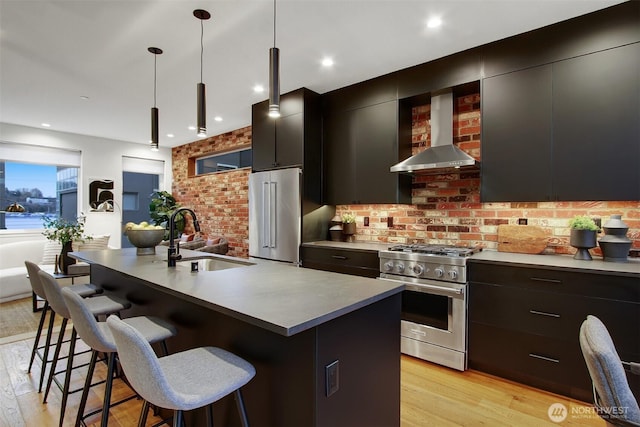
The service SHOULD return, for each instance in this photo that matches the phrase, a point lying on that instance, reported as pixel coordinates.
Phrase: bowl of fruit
(144, 236)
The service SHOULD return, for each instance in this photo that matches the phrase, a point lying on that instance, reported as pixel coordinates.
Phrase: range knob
(388, 266)
(417, 269)
(439, 272)
(453, 274)
(400, 267)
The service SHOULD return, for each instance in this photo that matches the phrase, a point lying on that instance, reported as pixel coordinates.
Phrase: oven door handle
(423, 287)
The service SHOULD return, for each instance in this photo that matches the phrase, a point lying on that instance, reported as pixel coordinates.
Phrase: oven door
(433, 312)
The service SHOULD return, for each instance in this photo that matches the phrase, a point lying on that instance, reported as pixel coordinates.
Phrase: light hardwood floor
(431, 395)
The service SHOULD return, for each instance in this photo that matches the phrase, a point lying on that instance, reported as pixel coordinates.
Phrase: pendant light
(202, 15)
(274, 73)
(154, 110)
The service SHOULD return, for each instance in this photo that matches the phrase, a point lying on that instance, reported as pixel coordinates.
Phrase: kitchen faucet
(174, 250)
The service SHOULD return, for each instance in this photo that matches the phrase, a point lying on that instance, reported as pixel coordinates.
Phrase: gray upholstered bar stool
(97, 335)
(83, 290)
(99, 305)
(182, 381)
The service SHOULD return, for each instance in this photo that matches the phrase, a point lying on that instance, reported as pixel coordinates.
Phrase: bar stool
(83, 290)
(97, 335)
(181, 381)
(99, 305)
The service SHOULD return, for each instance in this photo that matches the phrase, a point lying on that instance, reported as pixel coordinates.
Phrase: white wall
(101, 158)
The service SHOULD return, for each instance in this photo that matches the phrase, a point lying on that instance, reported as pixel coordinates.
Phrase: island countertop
(279, 297)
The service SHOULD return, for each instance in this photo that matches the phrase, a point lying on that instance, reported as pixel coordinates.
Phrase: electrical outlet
(522, 221)
(366, 221)
(332, 377)
(390, 222)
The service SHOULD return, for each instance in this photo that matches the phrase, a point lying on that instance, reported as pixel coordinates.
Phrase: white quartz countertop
(276, 296)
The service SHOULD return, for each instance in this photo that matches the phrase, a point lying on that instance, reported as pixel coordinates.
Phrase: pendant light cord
(201, 47)
(274, 23)
(155, 81)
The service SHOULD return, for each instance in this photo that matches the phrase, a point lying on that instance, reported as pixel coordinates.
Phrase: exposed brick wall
(219, 199)
(446, 209)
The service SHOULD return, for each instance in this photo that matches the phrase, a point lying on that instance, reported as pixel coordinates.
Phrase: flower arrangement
(583, 222)
(63, 231)
(348, 218)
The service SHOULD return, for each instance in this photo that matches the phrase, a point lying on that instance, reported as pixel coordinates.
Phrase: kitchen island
(291, 323)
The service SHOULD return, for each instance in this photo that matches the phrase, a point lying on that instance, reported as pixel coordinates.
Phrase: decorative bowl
(145, 240)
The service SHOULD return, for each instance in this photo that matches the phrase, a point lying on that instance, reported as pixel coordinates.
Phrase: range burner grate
(445, 250)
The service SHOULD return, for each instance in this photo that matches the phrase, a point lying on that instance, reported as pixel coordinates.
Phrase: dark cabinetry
(524, 323)
(564, 131)
(360, 147)
(348, 261)
(290, 140)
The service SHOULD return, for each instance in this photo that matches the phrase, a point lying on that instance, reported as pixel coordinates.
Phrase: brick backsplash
(446, 209)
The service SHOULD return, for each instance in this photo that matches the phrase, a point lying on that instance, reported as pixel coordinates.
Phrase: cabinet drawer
(548, 363)
(360, 263)
(554, 315)
(589, 283)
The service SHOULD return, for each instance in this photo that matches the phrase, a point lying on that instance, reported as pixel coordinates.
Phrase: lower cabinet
(524, 323)
(348, 261)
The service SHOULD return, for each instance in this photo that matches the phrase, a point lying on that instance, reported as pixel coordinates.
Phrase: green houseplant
(65, 232)
(160, 210)
(583, 236)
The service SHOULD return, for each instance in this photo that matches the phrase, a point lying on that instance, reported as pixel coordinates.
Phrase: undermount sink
(211, 263)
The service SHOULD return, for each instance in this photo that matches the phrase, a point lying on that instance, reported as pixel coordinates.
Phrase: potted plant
(65, 232)
(583, 236)
(349, 225)
(160, 209)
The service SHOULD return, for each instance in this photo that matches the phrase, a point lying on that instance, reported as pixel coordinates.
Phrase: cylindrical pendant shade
(274, 82)
(202, 111)
(154, 128)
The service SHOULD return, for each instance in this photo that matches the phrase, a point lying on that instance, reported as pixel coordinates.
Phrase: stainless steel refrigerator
(275, 220)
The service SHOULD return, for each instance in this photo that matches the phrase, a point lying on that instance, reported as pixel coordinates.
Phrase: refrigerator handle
(273, 199)
(266, 213)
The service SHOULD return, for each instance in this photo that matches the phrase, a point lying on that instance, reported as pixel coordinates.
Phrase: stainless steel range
(434, 302)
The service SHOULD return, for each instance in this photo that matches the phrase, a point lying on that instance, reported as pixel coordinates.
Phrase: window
(224, 162)
(45, 185)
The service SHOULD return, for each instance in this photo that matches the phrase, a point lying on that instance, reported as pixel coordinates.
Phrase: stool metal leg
(142, 421)
(87, 386)
(107, 390)
(47, 345)
(241, 409)
(56, 355)
(67, 375)
(38, 335)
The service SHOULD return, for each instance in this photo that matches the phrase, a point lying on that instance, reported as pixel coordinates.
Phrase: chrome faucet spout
(174, 250)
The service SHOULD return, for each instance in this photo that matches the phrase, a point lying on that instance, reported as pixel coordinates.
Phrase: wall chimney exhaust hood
(442, 156)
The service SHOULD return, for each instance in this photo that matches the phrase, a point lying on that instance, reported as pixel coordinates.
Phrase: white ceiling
(53, 52)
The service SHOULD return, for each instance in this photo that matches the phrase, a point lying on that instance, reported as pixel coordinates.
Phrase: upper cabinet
(293, 139)
(360, 147)
(564, 131)
(596, 126)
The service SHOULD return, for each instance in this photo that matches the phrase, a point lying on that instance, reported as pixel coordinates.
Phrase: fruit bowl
(145, 240)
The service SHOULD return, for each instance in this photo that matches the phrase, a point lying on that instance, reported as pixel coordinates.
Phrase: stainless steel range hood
(442, 156)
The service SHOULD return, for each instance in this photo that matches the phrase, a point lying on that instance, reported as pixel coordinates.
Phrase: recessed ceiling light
(217, 118)
(170, 135)
(191, 128)
(327, 62)
(258, 88)
(46, 125)
(434, 22)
